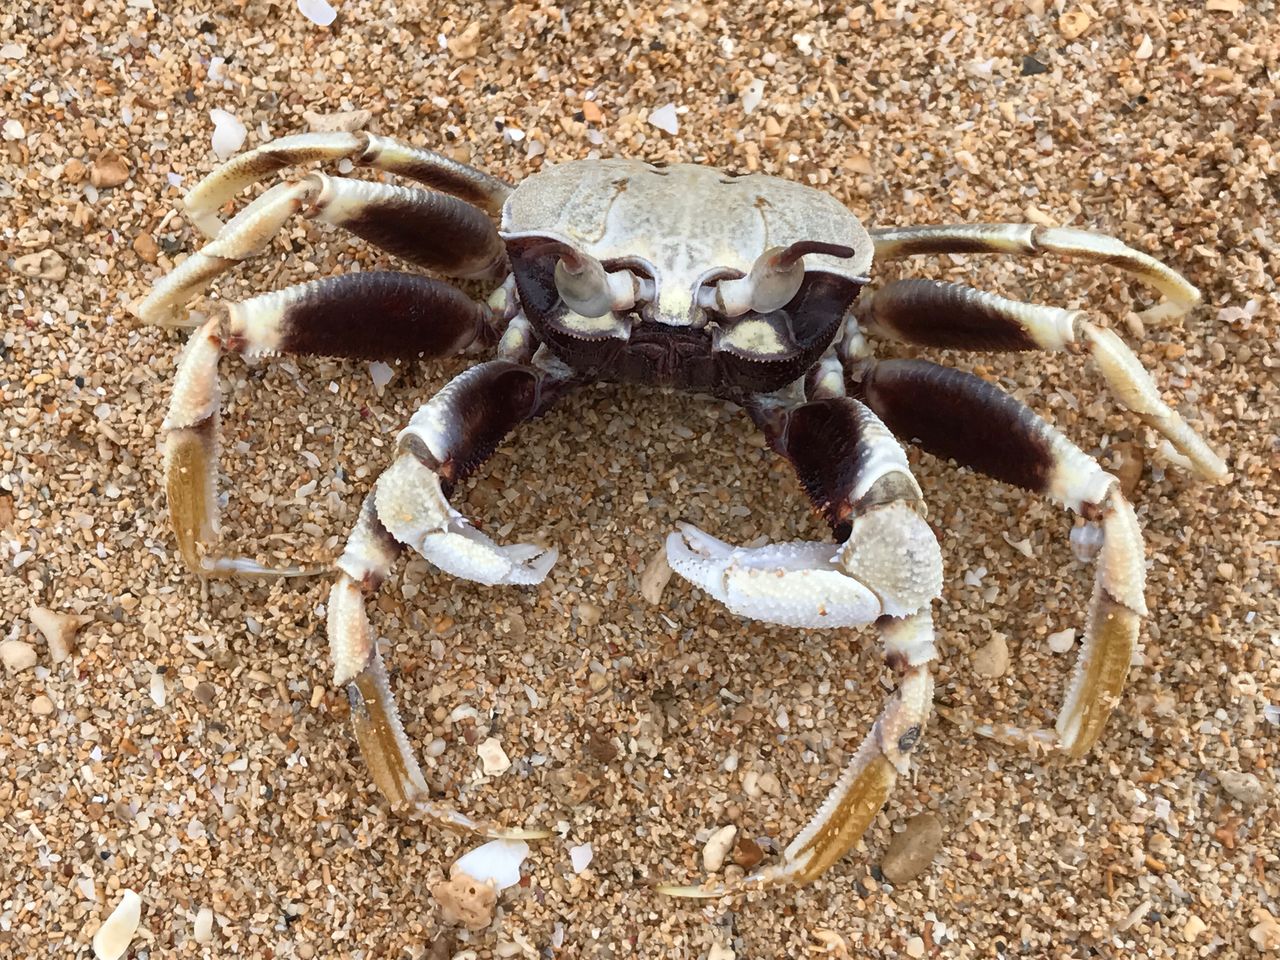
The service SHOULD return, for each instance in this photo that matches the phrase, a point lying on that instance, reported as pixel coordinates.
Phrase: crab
(749, 289)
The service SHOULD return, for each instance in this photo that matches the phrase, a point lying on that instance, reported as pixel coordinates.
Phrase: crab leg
(891, 569)
(448, 438)
(427, 229)
(373, 315)
(1025, 239)
(363, 149)
(949, 315)
(957, 415)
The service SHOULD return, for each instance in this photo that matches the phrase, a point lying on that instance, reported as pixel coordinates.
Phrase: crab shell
(684, 228)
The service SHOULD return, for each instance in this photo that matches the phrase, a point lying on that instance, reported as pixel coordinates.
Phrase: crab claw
(797, 584)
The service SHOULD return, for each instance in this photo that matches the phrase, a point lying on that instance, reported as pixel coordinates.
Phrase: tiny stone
(113, 937)
(913, 849)
(992, 658)
(348, 122)
(204, 925)
(17, 655)
(41, 705)
(770, 784)
(655, 577)
(109, 169)
(205, 692)
(664, 118)
(145, 247)
(228, 134)
(717, 848)
(465, 901)
(1062, 641)
(1031, 67)
(580, 856)
(590, 614)
(493, 759)
(318, 12)
(1193, 928)
(746, 852)
(46, 265)
(59, 630)
(1073, 24)
(591, 112)
(1244, 787)
(915, 947)
(721, 951)
(466, 44)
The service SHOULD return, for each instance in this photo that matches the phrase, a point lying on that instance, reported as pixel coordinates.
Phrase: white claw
(794, 584)
(465, 552)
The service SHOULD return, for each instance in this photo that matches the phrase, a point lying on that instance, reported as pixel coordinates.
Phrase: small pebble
(915, 947)
(318, 12)
(1245, 787)
(113, 937)
(204, 925)
(497, 861)
(228, 134)
(41, 705)
(58, 629)
(347, 122)
(580, 856)
(746, 852)
(466, 44)
(912, 849)
(1062, 641)
(665, 119)
(992, 658)
(655, 577)
(1193, 928)
(493, 759)
(717, 848)
(17, 655)
(108, 169)
(721, 951)
(1073, 24)
(45, 265)
(465, 901)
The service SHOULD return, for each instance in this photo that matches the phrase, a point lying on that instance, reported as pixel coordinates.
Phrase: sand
(190, 747)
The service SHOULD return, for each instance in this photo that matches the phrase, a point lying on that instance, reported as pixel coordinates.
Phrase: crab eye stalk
(775, 278)
(591, 291)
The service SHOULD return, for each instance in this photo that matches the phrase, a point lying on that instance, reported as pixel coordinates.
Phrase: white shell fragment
(381, 373)
(17, 655)
(497, 861)
(493, 758)
(717, 848)
(318, 12)
(664, 118)
(752, 95)
(228, 134)
(59, 630)
(113, 937)
(1062, 641)
(203, 931)
(581, 856)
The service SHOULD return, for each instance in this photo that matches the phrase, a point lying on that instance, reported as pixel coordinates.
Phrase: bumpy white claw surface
(791, 584)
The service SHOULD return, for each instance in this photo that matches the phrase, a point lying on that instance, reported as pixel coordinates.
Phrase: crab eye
(583, 284)
(775, 278)
(591, 291)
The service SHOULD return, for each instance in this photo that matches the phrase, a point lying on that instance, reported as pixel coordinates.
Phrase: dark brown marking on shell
(954, 414)
(946, 315)
(431, 230)
(381, 316)
(907, 742)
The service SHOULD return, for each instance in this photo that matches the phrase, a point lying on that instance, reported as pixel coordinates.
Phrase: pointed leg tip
(692, 893)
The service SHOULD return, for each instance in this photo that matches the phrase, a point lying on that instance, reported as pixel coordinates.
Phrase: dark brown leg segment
(370, 315)
(960, 416)
(951, 315)
(450, 436)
